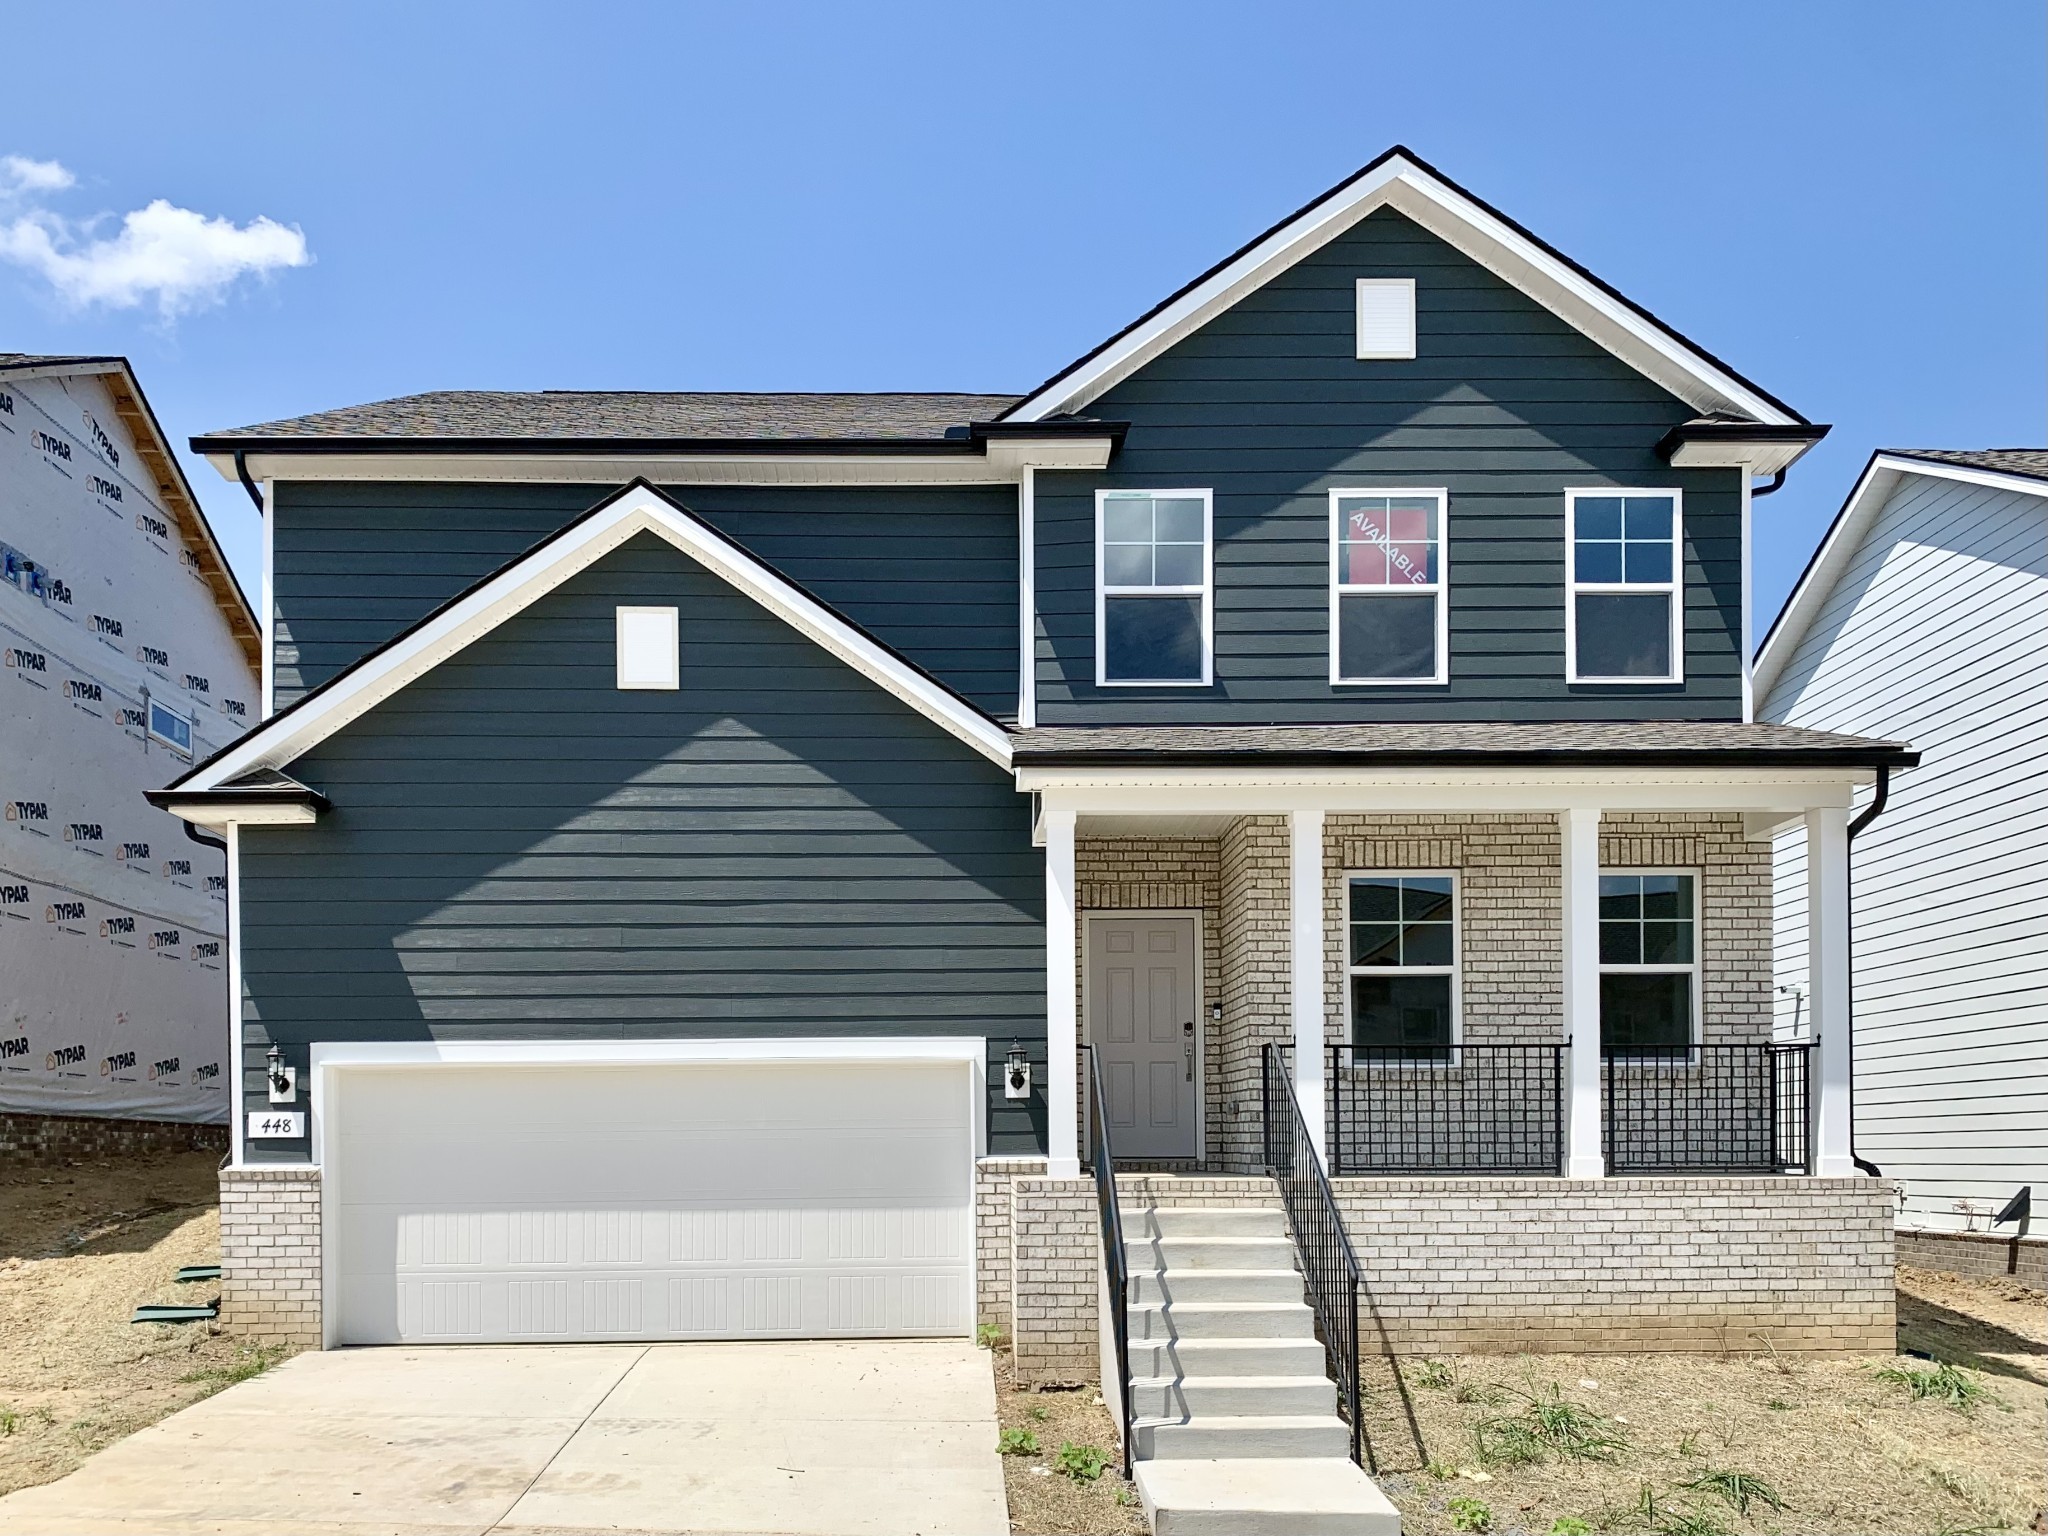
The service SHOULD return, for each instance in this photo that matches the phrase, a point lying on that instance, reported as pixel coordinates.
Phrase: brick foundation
(37, 1141)
(270, 1255)
(1981, 1254)
(993, 1178)
(1712, 1266)
(1056, 1257)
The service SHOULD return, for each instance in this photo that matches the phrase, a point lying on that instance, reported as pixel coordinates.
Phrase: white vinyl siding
(1936, 634)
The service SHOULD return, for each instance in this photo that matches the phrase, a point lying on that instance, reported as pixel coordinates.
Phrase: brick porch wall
(1256, 984)
(993, 1178)
(1054, 1265)
(270, 1255)
(1624, 1266)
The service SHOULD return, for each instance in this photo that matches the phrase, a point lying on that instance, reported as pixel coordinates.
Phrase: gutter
(1055, 757)
(1863, 819)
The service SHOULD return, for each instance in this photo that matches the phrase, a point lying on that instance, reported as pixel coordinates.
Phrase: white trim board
(1402, 183)
(635, 510)
(1873, 489)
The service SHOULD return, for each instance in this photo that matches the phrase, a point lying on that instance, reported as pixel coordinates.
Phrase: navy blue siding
(519, 850)
(1504, 404)
(931, 570)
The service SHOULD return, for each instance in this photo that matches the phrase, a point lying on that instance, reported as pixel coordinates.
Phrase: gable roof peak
(1399, 178)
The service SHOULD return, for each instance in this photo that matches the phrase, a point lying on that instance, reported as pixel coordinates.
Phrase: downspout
(242, 474)
(203, 840)
(1868, 814)
(1777, 483)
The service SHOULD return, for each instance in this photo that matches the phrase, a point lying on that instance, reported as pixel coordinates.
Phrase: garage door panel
(461, 1218)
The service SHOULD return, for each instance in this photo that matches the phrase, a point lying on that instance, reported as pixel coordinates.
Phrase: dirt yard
(1677, 1445)
(1043, 1500)
(80, 1247)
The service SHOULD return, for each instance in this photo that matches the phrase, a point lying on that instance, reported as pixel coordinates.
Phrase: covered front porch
(1486, 971)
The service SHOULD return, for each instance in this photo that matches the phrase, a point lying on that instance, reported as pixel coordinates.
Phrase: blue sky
(1846, 201)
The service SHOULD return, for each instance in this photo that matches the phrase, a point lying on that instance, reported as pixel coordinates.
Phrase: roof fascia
(638, 509)
(63, 368)
(1874, 487)
(1400, 181)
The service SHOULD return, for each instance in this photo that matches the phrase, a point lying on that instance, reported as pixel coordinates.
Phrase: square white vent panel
(1386, 317)
(648, 648)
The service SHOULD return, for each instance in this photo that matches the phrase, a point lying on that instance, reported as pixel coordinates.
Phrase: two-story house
(694, 836)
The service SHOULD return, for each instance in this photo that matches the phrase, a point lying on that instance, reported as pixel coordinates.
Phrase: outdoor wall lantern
(1017, 1073)
(284, 1080)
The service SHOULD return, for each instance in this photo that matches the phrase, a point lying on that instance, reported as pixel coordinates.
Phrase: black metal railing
(1327, 1260)
(1708, 1109)
(1496, 1108)
(1114, 1257)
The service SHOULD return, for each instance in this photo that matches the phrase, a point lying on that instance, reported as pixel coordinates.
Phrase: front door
(1142, 1022)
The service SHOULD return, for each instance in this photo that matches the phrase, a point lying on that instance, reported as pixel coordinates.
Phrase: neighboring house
(677, 808)
(128, 649)
(1924, 615)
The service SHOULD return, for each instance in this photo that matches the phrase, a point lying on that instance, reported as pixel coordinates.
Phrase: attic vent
(1386, 317)
(648, 648)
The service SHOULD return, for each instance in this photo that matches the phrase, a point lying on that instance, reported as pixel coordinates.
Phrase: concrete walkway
(890, 1437)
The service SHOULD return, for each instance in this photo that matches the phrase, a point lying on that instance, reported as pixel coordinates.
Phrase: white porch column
(1579, 834)
(1827, 971)
(1062, 1006)
(1305, 946)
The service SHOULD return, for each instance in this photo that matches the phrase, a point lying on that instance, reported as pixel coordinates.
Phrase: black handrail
(1704, 1109)
(1327, 1258)
(1114, 1257)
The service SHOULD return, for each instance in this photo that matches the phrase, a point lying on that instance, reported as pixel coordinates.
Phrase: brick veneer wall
(35, 1141)
(270, 1255)
(1055, 1258)
(1484, 1266)
(1256, 984)
(993, 1195)
(1982, 1254)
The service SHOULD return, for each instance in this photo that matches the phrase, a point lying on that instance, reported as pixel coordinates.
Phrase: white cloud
(180, 259)
(20, 174)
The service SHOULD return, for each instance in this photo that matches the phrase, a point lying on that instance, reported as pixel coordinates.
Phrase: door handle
(1188, 1033)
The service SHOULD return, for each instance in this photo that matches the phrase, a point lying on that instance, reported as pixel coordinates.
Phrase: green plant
(1127, 1498)
(1470, 1515)
(1016, 1442)
(1435, 1373)
(1039, 1415)
(1569, 1525)
(1689, 1443)
(988, 1336)
(1942, 1383)
(1779, 1405)
(1738, 1490)
(1083, 1463)
(249, 1363)
(1548, 1425)
(1440, 1472)
(9, 1421)
(1697, 1521)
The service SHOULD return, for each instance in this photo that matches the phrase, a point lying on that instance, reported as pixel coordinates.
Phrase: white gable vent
(648, 648)
(1386, 317)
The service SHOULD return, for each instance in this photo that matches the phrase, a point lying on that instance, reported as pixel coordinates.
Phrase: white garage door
(651, 1202)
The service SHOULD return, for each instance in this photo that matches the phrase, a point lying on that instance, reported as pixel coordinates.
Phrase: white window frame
(671, 617)
(1674, 588)
(1455, 970)
(186, 748)
(1696, 1010)
(1440, 589)
(1206, 591)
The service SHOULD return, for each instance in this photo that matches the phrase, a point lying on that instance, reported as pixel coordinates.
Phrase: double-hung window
(1152, 589)
(1387, 606)
(1402, 953)
(1649, 963)
(1622, 587)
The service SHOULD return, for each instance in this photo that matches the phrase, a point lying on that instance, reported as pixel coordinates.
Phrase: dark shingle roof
(627, 415)
(2031, 462)
(1477, 741)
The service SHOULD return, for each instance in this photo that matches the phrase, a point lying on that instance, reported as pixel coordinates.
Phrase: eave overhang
(282, 802)
(1754, 446)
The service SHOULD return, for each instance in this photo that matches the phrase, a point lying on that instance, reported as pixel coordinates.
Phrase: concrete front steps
(1235, 1429)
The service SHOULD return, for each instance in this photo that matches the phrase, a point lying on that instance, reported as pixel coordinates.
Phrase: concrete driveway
(891, 1437)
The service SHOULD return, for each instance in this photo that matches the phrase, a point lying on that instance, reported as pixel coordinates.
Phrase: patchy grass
(1052, 1490)
(1750, 1443)
(80, 1247)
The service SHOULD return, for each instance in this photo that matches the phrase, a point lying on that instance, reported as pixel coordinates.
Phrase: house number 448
(276, 1123)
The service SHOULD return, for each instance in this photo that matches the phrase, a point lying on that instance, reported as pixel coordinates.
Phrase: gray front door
(1141, 1021)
